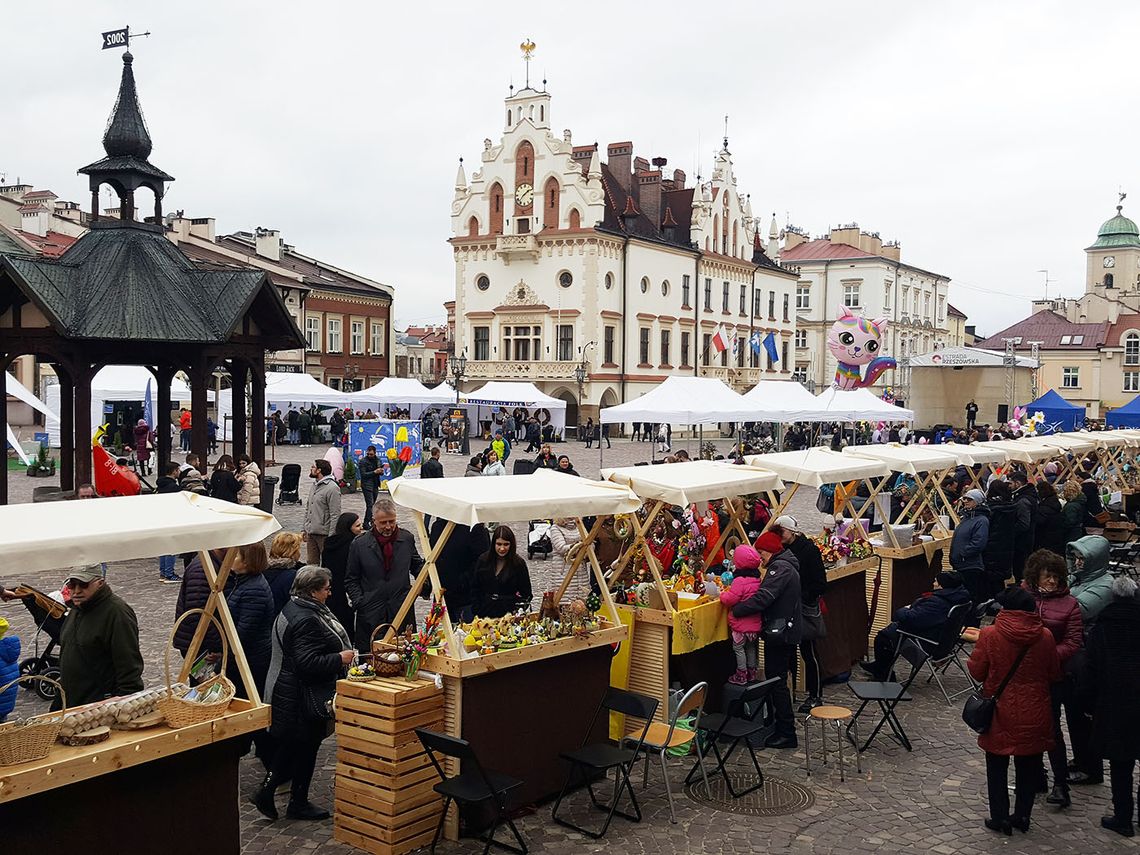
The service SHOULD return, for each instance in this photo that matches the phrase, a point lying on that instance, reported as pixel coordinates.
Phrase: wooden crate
(384, 802)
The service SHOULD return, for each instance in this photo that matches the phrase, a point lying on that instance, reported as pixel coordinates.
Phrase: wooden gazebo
(124, 294)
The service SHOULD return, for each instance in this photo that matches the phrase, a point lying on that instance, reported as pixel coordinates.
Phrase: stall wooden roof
(53, 535)
(696, 481)
(1107, 438)
(973, 455)
(1020, 451)
(814, 467)
(512, 498)
(1065, 442)
(908, 459)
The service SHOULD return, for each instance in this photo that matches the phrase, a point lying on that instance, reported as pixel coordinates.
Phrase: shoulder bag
(978, 713)
(814, 626)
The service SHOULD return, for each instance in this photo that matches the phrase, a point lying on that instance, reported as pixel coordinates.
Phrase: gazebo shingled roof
(124, 294)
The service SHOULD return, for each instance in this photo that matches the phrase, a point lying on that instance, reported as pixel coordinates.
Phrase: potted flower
(348, 483)
(42, 466)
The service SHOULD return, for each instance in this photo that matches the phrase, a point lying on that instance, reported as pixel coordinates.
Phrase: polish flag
(720, 339)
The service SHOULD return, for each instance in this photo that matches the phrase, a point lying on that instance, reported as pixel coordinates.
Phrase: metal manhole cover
(776, 798)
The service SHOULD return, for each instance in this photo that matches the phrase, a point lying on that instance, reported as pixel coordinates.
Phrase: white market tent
(815, 467)
(908, 459)
(512, 498)
(53, 535)
(116, 383)
(857, 405)
(972, 455)
(20, 392)
(509, 394)
(1104, 438)
(400, 390)
(696, 481)
(685, 401)
(782, 401)
(285, 389)
(1066, 442)
(1019, 451)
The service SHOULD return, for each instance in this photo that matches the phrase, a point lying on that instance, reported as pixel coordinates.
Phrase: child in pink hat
(745, 630)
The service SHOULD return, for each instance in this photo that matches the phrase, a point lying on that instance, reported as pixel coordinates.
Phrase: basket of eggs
(387, 656)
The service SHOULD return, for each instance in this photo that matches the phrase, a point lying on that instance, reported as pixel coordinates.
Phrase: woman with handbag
(311, 651)
(813, 585)
(1016, 662)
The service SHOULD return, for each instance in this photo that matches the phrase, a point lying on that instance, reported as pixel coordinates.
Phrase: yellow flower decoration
(391, 454)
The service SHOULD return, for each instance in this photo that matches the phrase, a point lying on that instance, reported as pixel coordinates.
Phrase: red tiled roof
(1048, 328)
(32, 208)
(40, 194)
(822, 249)
(53, 244)
(958, 313)
(1116, 331)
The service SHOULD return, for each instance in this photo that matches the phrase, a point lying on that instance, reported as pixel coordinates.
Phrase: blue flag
(755, 342)
(770, 346)
(148, 407)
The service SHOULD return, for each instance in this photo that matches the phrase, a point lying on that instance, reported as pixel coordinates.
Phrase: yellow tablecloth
(619, 670)
(696, 626)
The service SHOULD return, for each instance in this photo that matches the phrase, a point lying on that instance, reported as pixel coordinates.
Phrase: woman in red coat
(1022, 726)
(1046, 578)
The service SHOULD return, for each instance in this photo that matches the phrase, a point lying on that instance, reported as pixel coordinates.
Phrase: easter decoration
(855, 342)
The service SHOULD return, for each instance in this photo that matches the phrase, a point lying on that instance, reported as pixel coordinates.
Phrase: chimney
(649, 193)
(892, 250)
(793, 238)
(581, 155)
(268, 243)
(870, 243)
(678, 179)
(845, 234)
(640, 164)
(203, 227)
(619, 158)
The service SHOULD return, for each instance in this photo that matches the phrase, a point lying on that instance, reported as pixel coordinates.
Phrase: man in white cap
(813, 584)
(99, 642)
(970, 539)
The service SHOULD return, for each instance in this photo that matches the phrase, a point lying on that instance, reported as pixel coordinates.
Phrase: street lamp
(458, 364)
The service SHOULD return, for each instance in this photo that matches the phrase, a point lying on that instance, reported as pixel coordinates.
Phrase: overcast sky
(989, 138)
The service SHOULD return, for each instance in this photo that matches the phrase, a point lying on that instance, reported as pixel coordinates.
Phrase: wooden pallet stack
(384, 802)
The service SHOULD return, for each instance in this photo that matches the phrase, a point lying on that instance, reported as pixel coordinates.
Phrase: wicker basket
(31, 738)
(381, 648)
(182, 713)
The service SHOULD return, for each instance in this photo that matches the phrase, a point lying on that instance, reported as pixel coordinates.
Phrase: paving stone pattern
(929, 800)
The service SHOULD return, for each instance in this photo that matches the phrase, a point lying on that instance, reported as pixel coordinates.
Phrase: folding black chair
(945, 649)
(888, 694)
(598, 758)
(736, 725)
(473, 785)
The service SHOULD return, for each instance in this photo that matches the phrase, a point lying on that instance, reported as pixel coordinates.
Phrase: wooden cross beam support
(735, 523)
(428, 573)
(640, 538)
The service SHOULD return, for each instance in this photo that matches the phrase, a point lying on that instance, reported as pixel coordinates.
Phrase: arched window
(1108, 280)
(524, 164)
(542, 112)
(473, 227)
(551, 199)
(575, 219)
(1132, 348)
(716, 230)
(735, 242)
(508, 117)
(496, 209)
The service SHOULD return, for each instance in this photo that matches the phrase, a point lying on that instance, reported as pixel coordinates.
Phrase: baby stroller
(48, 614)
(289, 492)
(538, 539)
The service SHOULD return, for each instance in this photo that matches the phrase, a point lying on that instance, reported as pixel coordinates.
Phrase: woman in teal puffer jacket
(9, 669)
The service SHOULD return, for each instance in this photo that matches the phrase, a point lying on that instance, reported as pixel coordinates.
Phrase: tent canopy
(301, 389)
(1060, 415)
(856, 405)
(815, 467)
(697, 481)
(400, 390)
(966, 357)
(512, 498)
(20, 392)
(1127, 416)
(780, 401)
(972, 455)
(506, 393)
(1065, 442)
(1019, 451)
(908, 459)
(1106, 438)
(53, 535)
(685, 401)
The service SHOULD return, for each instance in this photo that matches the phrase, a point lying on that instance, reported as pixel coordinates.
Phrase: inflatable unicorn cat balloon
(855, 341)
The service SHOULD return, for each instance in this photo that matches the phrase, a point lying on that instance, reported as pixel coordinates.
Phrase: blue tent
(1059, 414)
(1127, 416)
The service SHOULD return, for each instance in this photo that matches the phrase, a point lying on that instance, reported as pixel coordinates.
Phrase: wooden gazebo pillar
(83, 427)
(239, 427)
(164, 375)
(4, 363)
(66, 427)
(199, 413)
(257, 407)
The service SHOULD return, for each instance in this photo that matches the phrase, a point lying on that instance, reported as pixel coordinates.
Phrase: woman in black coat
(378, 576)
(502, 580)
(223, 482)
(456, 563)
(335, 557)
(1113, 675)
(998, 554)
(311, 651)
(251, 604)
(1050, 532)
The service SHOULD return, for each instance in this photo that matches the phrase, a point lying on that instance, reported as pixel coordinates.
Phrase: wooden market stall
(1032, 456)
(679, 636)
(1069, 452)
(979, 459)
(519, 703)
(909, 560)
(851, 582)
(175, 787)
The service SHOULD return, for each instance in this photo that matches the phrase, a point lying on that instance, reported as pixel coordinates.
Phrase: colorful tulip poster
(399, 446)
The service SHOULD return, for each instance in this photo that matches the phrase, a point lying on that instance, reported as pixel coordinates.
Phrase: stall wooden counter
(518, 707)
(162, 780)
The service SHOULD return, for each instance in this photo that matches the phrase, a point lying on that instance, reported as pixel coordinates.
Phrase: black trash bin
(268, 488)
